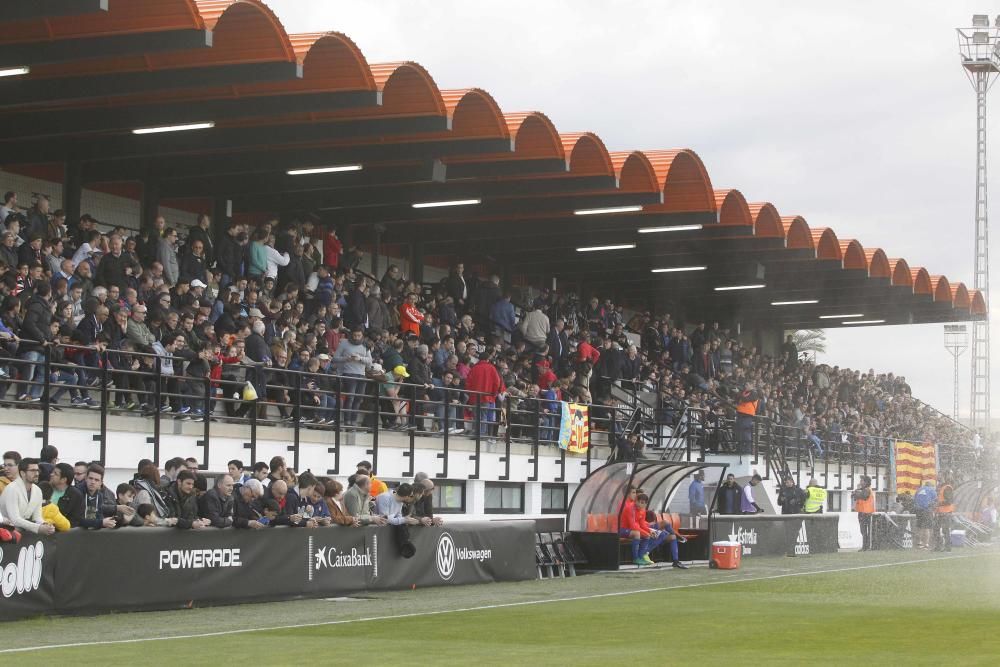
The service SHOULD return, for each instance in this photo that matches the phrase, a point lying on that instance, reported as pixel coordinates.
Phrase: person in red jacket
(410, 316)
(587, 352)
(628, 528)
(652, 536)
(484, 384)
(332, 249)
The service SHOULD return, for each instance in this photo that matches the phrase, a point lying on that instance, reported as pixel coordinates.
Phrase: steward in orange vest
(864, 505)
(944, 510)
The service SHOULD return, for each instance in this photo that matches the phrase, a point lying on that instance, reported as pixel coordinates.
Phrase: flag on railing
(915, 463)
(574, 429)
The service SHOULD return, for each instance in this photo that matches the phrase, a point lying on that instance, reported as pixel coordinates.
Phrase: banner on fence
(915, 462)
(574, 429)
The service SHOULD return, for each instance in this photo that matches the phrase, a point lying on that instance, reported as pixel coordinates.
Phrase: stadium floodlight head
(442, 204)
(15, 71)
(598, 248)
(956, 341)
(607, 210)
(980, 21)
(174, 128)
(676, 228)
(324, 170)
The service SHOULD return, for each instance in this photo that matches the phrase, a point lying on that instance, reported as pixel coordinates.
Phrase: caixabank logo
(23, 573)
(320, 557)
(447, 555)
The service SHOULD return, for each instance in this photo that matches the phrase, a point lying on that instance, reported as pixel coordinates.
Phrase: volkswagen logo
(445, 556)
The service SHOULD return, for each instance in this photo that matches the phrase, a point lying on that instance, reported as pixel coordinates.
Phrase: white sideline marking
(522, 603)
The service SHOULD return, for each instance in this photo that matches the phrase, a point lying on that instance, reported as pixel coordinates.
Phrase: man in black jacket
(217, 505)
(182, 501)
(246, 506)
(117, 267)
(230, 254)
(70, 503)
(35, 327)
(356, 312)
(200, 232)
(791, 497)
(99, 504)
(729, 496)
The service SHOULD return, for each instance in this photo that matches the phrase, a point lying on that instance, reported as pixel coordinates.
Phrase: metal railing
(115, 382)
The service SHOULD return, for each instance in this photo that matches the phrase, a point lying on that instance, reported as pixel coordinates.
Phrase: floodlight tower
(978, 47)
(956, 341)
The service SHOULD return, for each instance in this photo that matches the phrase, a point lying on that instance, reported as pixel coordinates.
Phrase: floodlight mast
(956, 341)
(977, 48)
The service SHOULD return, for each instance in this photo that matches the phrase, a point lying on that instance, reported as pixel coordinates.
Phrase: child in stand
(149, 517)
(50, 512)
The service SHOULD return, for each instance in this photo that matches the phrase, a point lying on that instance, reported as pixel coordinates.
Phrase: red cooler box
(726, 555)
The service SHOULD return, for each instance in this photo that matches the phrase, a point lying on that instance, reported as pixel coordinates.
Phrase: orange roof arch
(243, 31)
(901, 276)
(407, 88)
(941, 288)
(978, 304)
(634, 171)
(797, 233)
(960, 296)
(334, 62)
(587, 154)
(921, 281)
(827, 244)
(685, 182)
(474, 113)
(878, 263)
(535, 136)
(733, 208)
(123, 16)
(766, 221)
(854, 255)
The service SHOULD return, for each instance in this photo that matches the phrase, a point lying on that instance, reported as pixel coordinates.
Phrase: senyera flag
(574, 429)
(915, 463)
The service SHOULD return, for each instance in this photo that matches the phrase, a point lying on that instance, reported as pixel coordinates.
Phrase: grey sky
(855, 115)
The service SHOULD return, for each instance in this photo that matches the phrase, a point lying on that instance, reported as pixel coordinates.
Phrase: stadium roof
(277, 103)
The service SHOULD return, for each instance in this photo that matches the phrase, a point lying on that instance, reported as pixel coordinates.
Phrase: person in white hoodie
(352, 358)
(21, 501)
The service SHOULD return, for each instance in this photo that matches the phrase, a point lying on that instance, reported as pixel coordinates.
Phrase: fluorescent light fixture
(324, 170)
(803, 302)
(454, 202)
(595, 248)
(608, 210)
(864, 322)
(678, 269)
(15, 71)
(677, 228)
(174, 128)
(840, 317)
(730, 288)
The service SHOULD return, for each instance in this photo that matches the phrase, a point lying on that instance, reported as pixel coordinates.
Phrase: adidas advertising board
(770, 535)
(166, 568)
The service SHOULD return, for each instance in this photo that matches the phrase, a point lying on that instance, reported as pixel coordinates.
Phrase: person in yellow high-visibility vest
(815, 498)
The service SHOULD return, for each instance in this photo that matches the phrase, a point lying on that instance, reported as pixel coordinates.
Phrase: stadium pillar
(150, 202)
(72, 191)
(221, 212)
(417, 260)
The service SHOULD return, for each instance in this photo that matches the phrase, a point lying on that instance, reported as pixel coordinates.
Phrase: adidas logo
(908, 537)
(802, 541)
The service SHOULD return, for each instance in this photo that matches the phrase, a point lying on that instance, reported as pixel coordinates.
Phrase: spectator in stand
(485, 386)
(357, 502)
(21, 501)
(333, 493)
(182, 501)
(65, 495)
(393, 507)
(9, 205)
(10, 472)
(50, 511)
(99, 504)
(216, 506)
(423, 509)
(247, 507)
(352, 359)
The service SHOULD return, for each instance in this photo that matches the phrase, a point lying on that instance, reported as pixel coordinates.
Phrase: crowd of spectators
(235, 303)
(44, 495)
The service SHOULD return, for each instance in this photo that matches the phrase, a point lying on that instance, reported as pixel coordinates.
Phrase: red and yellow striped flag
(914, 464)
